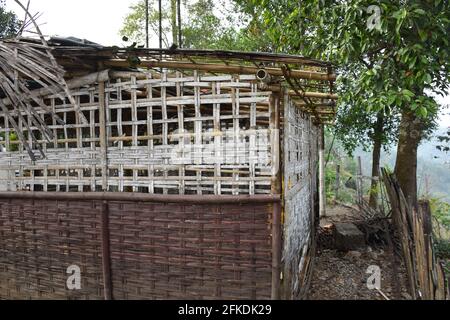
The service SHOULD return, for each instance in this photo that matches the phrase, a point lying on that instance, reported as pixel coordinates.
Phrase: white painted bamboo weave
(167, 134)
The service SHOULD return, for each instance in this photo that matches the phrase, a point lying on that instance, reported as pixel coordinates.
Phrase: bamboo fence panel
(151, 250)
(300, 175)
(173, 134)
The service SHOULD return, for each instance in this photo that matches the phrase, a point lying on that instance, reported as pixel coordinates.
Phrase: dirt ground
(342, 275)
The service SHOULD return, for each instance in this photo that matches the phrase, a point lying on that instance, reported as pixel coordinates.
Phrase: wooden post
(275, 142)
(322, 194)
(359, 183)
(337, 182)
(276, 251)
(276, 189)
(106, 257)
(103, 134)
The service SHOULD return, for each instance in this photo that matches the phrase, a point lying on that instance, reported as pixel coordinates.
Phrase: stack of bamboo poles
(426, 275)
(22, 65)
(19, 63)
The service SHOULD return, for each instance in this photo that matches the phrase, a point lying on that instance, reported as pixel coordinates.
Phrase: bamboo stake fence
(425, 272)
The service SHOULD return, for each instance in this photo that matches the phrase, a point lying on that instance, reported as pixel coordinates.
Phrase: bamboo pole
(322, 193)
(319, 95)
(71, 84)
(142, 197)
(276, 189)
(103, 135)
(106, 254)
(301, 74)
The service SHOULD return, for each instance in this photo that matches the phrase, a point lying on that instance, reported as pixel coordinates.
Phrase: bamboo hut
(161, 174)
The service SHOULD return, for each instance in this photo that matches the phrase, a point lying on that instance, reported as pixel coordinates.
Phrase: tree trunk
(411, 129)
(173, 16)
(376, 154)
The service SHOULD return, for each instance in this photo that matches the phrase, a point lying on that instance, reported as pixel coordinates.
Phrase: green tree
(208, 24)
(357, 125)
(404, 49)
(202, 28)
(9, 23)
(134, 23)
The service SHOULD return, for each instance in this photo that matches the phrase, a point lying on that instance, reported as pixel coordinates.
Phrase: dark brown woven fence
(128, 247)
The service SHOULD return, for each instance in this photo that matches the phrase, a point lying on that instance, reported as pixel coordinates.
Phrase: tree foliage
(201, 27)
(207, 24)
(393, 67)
(134, 23)
(9, 23)
(205, 28)
(444, 141)
(406, 58)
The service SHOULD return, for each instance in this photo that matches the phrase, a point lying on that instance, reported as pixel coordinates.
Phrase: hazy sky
(95, 20)
(100, 21)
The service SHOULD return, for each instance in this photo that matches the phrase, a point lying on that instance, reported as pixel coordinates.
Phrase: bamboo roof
(311, 81)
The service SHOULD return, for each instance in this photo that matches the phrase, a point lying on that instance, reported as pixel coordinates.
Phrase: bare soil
(343, 275)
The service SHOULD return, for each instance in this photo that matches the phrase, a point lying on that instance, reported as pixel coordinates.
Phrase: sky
(95, 20)
(100, 21)
(444, 119)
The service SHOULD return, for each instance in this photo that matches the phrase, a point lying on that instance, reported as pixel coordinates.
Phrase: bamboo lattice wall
(300, 179)
(153, 133)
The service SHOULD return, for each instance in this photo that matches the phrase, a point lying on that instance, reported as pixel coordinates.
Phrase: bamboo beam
(301, 74)
(302, 104)
(209, 54)
(71, 84)
(142, 197)
(320, 95)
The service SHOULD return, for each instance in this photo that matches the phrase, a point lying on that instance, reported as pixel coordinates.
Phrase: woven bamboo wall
(152, 133)
(39, 240)
(157, 250)
(160, 134)
(300, 178)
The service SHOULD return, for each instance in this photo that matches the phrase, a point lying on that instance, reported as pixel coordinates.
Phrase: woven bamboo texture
(300, 181)
(39, 240)
(188, 133)
(168, 133)
(157, 250)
